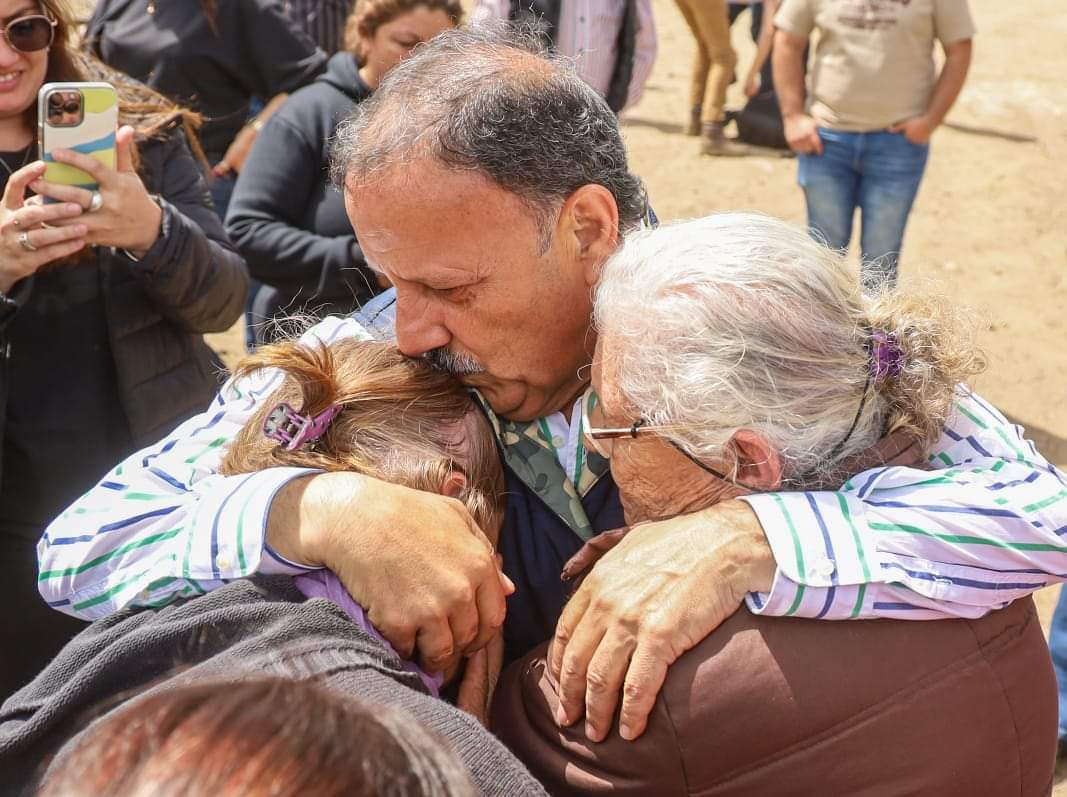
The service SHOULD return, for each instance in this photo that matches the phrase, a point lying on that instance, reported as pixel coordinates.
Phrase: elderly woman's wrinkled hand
(662, 589)
(127, 217)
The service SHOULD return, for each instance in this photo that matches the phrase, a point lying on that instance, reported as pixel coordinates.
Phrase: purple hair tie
(887, 356)
(294, 430)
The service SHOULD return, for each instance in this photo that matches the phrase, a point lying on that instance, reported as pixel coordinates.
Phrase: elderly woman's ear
(758, 465)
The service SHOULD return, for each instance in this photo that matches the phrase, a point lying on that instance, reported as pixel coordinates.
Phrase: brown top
(773, 705)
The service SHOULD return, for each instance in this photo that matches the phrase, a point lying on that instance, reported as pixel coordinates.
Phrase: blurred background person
(613, 42)
(285, 216)
(876, 98)
(713, 70)
(322, 20)
(215, 58)
(274, 736)
(102, 311)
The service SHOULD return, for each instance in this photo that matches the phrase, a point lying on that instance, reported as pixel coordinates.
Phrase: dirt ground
(989, 226)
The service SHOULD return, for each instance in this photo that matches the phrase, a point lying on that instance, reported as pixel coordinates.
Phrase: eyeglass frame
(52, 23)
(635, 429)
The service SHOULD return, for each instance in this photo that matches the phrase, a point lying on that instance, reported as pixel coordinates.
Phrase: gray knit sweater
(245, 629)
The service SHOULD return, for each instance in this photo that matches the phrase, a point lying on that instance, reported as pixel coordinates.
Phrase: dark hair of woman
(270, 736)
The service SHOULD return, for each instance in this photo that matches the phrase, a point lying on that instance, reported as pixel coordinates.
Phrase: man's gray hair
(739, 320)
(488, 99)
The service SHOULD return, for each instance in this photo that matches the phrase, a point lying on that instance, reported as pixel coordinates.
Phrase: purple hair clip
(294, 430)
(887, 357)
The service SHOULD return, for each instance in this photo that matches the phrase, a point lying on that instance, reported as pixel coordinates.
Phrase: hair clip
(886, 355)
(294, 430)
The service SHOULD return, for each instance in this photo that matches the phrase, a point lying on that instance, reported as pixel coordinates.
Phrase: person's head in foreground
(488, 182)
(273, 736)
(381, 33)
(735, 354)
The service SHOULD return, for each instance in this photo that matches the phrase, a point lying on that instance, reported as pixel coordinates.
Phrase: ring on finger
(25, 243)
(96, 201)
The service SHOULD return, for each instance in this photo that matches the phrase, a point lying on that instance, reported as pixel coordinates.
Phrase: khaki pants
(715, 59)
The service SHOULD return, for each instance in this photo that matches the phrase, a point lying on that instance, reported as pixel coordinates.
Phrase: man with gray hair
(489, 184)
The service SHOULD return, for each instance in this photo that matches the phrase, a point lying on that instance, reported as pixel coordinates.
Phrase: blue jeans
(1057, 643)
(877, 172)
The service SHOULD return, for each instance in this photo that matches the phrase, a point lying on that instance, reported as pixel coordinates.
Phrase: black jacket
(240, 631)
(190, 282)
(286, 218)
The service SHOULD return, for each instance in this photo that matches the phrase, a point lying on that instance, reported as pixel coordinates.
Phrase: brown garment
(785, 706)
(769, 706)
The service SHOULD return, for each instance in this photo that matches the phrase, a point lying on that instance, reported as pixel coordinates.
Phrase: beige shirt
(874, 61)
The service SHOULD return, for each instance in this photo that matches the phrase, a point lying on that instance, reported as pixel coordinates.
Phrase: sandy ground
(990, 223)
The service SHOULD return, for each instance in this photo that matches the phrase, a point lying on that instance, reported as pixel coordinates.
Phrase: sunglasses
(30, 33)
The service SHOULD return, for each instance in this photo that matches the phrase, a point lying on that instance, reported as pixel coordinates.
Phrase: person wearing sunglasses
(736, 357)
(104, 299)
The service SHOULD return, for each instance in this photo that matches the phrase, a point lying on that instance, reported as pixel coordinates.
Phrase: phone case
(94, 136)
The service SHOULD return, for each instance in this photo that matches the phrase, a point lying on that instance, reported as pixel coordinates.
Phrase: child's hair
(401, 420)
(266, 736)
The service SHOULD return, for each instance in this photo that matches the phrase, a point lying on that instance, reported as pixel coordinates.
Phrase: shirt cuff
(273, 563)
(230, 527)
(818, 539)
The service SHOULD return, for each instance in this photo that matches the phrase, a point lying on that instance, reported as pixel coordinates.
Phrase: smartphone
(76, 116)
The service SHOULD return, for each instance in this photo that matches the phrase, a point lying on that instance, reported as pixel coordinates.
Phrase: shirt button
(223, 562)
(558, 442)
(822, 569)
(144, 594)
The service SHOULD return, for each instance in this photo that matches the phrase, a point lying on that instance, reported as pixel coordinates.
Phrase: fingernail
(591, 732)
(626, 732)
(561, 715)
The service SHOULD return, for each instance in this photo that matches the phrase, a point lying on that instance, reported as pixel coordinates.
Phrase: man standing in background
(876, 98)
(322, 20)
(613, 42)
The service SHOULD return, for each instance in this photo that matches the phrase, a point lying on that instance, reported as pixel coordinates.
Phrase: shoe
(714, 142)
(693, 129)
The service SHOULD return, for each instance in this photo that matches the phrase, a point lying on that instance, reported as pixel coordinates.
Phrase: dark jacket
(190, 282)
(782, 706)
(251, 49)
(286, 218)
(240, 631)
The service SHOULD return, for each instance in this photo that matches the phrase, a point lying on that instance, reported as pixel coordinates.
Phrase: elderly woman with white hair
(736, 356)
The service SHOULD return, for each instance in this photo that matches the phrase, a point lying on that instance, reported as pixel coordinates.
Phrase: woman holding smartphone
(104, 298)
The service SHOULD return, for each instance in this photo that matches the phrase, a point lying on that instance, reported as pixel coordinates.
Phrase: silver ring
(24, 242)
(95, 202)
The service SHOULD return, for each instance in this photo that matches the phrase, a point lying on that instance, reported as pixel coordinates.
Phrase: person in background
(736, 355)
(214, 58)
(273, 736)
(285, 217)
(864, 137)
(613, 42)
(343, 407)
(104, 298)
(322, 20)
(713, 69)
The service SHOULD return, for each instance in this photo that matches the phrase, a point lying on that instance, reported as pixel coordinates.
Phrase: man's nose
(418, 328)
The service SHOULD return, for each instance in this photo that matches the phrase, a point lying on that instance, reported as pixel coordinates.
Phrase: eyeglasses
(602, 439)
(30, 33)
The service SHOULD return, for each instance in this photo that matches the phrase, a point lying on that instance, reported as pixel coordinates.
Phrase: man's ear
(591, 216)
(455, 484)
(759, 465)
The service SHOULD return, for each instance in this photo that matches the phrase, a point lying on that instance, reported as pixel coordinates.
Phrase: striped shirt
(986, 526)
(589, 33)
